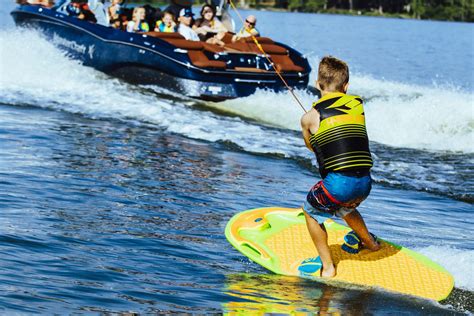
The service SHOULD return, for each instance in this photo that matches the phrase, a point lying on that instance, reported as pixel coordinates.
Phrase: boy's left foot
(329, 272)
(313, 267)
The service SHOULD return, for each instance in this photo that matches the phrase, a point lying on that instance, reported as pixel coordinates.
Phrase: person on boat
(138, 24)
(152, 14)
(209, 28)
(222, 13)
(61, 6)
(185, 20)
(177, 5)
(97, 7)
(334, 129)
(113, 12)
(166, 24)
(43, 3)
(80, 9)
(248, 29)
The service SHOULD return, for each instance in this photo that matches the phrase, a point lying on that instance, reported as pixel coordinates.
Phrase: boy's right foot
(375, 245)
(353, 244)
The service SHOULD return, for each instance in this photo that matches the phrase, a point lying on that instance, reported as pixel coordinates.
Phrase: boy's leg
(356, 222)
(320, 239)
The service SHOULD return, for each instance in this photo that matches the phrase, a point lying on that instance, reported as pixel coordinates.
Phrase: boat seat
(261, 40)
(199, 59)
(238, 46)
(228, 37)
(196, 51)
(273, 49)
(270, 49)
(212, 48)
(284, 63)
(185, 44)
(164, 35)
(179, 41)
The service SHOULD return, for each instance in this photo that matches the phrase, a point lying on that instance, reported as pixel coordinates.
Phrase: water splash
(408, 116)
(458, 262)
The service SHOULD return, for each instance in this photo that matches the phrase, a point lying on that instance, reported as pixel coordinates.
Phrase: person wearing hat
(177, 5)
(185, 20)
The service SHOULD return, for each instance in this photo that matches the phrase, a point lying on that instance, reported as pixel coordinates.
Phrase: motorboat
(191, 68)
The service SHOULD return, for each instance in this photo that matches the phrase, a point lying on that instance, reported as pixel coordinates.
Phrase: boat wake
(416, 144)
(437, 118)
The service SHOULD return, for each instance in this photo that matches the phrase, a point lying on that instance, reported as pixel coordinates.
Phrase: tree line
(448, 10)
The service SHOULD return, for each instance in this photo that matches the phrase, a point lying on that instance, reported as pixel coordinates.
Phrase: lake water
(114, 197)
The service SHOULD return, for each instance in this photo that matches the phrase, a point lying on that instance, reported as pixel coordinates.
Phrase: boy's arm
(309, 125)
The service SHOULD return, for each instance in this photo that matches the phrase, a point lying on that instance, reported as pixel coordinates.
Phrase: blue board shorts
(337, 195)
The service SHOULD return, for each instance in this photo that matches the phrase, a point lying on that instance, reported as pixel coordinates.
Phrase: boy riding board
(334, 129)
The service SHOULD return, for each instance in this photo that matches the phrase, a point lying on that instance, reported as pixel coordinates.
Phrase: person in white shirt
(185, 20)
(97, 7)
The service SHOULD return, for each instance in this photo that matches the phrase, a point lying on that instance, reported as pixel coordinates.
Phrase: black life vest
(341, 143)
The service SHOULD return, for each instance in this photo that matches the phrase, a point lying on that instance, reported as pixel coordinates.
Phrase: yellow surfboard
(277, 239)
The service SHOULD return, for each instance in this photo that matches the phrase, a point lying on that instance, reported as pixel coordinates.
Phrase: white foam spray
(397, 114)
(460, 263)
(35, 73)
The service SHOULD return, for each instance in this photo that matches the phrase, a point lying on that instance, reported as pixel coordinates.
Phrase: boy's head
(333, 75)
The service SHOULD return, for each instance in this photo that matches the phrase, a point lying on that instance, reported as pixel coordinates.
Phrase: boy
(335, 130)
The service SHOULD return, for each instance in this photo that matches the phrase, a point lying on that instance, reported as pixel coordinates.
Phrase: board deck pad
(277, 239)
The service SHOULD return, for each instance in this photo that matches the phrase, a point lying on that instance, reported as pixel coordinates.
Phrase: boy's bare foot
(328, 272)
(374, 245)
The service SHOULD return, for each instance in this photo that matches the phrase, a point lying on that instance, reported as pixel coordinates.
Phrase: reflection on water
(256, 294)
(263, 294)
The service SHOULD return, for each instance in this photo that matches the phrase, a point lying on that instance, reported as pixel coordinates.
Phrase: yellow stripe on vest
(338, 120)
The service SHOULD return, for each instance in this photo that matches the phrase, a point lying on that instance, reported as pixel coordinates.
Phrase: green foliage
(314, 5)
(451, 10)
(418, 8)
(295, 5)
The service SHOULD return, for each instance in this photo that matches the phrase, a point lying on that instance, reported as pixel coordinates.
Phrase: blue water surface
(108, 216)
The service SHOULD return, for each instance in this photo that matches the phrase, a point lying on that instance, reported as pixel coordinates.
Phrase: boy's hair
(333, 74)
